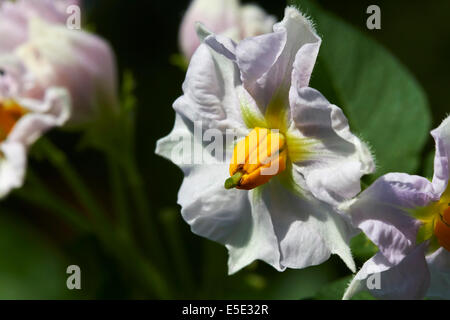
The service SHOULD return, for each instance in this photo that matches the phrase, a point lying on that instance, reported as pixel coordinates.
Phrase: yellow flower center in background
(10, 113)
(256, 159)
(442, 229)
(435, 220)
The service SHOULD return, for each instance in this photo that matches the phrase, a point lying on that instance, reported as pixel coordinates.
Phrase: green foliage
(30, 268)
(178, 60)
(362, 247)
(383, 102)
(428, 169)
(335, 291)
(113, 131)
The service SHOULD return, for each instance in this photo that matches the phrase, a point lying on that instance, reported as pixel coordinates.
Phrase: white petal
(308, 230)
(218, 16)
(12, 166)
(209, 91)
(53, 111)
(339, 159)
(441, 176)
(255, 238)
(172, 146)
(407, 280)
(219, 43)
(211, 210)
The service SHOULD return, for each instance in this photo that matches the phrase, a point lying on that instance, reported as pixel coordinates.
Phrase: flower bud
(219, 16)
(226, 17)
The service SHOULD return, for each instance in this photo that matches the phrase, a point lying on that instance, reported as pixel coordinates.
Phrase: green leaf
(429, 165)
(259, 281)
(362, 247)
(385, 105)
(335, 291)
(30, 268)
(113, 132)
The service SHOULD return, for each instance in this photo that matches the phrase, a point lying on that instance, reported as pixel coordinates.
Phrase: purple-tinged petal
(210, 94)
(305, 60)
(407, 280)
(441, 136)
(381, 211)
(338, 159)
(219, 43)
(266, 62)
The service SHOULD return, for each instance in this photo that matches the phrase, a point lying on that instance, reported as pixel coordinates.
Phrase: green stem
(213, 270)
(70, 175)
(141, 269)
(147, 222)
(176, 244)
(120, 202)
(44, 199)
(123, 251)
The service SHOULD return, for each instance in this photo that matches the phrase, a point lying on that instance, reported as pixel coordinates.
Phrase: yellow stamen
(10, 113)
(256, 159)
(442, 229)
(435, 220)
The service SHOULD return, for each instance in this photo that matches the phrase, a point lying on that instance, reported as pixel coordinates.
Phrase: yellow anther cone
(256, 159)
(442, 229)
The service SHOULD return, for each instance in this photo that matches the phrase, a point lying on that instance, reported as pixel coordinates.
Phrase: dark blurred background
(144, 36)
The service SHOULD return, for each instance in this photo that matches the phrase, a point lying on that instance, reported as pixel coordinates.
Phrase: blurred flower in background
(82, 63)
(47, 69)
(226, 17)
(15, 17)
(23, 119)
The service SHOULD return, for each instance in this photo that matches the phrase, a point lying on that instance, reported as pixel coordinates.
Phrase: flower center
(435, 220)
(442, 229)
(256, 159)
(10, 113)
